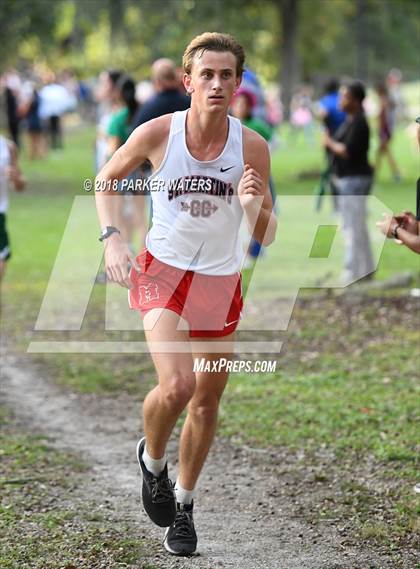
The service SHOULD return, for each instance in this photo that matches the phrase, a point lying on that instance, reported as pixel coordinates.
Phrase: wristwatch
(107, 232)
(395, 231)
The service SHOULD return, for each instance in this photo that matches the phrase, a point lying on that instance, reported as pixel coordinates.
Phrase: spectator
(55, 101)
(333, 117)
(119, 127)
(251, 83)
(393, 84)
(30, 110)
(243, 104)
(353, 180)
(329, 110)
(167, 99)
(9, 172)
(12, 91)
(386, 125)
(301, 114)
(107, 99)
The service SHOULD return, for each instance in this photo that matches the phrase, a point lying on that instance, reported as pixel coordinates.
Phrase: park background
(344, 398)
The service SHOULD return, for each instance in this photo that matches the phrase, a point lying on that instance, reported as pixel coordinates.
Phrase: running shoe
(157, 492)
(180, 537)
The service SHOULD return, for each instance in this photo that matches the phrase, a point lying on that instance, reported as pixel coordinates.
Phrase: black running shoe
(157, 493)
(180, 537)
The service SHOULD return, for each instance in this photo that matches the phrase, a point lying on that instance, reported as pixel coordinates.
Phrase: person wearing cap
(405, 228)
(242, 107)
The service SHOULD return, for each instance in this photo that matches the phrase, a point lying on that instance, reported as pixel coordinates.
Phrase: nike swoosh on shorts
(229, 323)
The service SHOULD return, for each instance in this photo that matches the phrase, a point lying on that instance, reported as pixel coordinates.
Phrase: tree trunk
(362, 41)
(116, 19)
(290, 72)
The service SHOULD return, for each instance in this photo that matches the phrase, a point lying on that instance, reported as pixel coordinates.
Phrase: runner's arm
(261, 220)
(139, 147)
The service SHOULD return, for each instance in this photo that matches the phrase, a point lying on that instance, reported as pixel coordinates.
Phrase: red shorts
(210, 304)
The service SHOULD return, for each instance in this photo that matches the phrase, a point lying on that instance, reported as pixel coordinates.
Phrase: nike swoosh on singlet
(226, 169)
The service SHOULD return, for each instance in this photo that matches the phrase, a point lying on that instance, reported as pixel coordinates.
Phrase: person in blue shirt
(333, 117)
(329, 108)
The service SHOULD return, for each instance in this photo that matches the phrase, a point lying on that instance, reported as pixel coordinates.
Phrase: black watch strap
(107, 232)
(395, 231)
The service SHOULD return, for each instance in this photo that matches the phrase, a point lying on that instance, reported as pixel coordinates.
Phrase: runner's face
(213, 80)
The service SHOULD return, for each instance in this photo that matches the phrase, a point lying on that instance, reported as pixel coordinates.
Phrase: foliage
(24, 24)
(90, 36)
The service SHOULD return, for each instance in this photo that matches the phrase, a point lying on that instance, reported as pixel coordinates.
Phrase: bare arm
(338, 148)
(14, 172)
(254, 192)
(144, 143)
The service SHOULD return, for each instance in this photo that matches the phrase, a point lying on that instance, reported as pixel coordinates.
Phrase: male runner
(186, 284)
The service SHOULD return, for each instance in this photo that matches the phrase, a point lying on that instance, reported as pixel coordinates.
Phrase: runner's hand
(250, 186)
(117, 258)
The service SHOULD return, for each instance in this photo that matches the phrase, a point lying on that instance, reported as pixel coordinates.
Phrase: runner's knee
(204, 410)
(178, 390)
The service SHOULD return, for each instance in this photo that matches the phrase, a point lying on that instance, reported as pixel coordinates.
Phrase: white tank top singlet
(196, 210)
(4, 163)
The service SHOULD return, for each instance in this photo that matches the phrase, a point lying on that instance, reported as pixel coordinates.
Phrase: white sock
(153, 465)
(183, 496)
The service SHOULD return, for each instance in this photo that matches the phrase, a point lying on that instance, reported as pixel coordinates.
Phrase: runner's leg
(201, 421)
(176, 380)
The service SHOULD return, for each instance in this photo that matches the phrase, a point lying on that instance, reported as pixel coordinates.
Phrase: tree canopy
(343, 37)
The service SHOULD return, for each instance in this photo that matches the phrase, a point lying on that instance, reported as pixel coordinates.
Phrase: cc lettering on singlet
(148, 292)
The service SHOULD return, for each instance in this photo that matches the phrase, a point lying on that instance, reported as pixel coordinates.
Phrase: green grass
(350, 384)
(43, 522)
(329, 407)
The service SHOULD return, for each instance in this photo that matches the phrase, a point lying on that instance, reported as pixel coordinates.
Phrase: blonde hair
(213, 41)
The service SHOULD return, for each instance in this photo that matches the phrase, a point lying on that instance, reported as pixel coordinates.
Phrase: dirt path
(243, 518)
